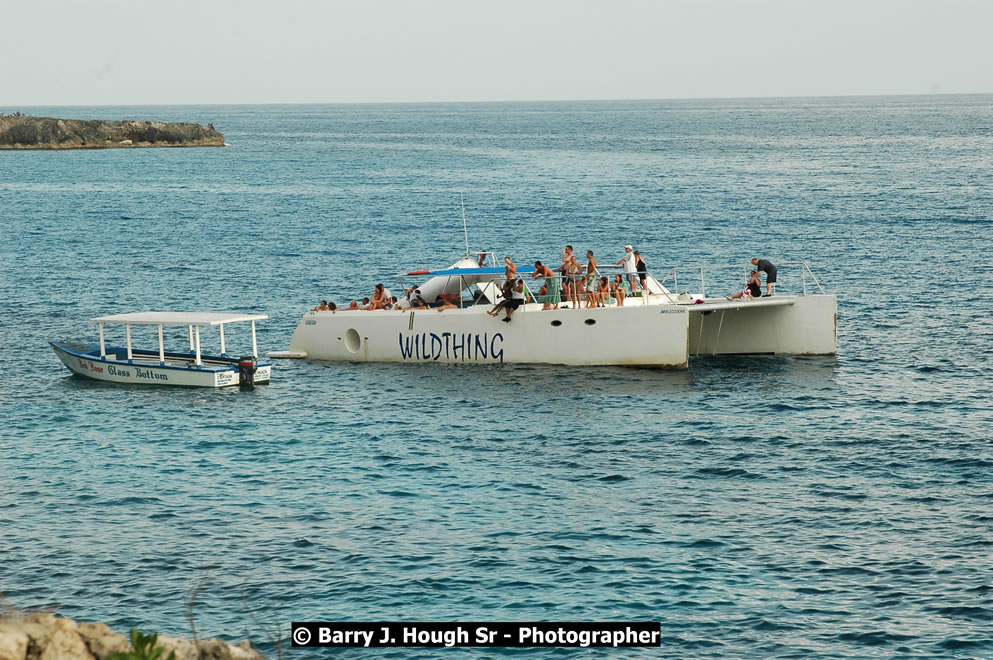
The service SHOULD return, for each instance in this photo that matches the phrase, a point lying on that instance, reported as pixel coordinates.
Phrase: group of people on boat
(570, 285)
(573, 284)
(381, 299)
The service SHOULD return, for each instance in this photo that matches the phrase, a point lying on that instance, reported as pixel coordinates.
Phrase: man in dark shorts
(767, 267)
(642, 267)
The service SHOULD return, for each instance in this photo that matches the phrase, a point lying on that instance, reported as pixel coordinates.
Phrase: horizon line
(505, 101)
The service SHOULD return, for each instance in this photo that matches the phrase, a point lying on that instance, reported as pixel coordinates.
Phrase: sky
(136, 52)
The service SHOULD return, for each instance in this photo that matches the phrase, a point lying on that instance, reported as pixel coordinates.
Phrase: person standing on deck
(591, 280)
(573, 278)
(552, 297)
(767, 267)
(509, 268)
(564, 269)
(630, 267)
(642, 268)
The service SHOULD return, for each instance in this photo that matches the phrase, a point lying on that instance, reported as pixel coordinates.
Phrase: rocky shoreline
(44, 636)
(23, 132)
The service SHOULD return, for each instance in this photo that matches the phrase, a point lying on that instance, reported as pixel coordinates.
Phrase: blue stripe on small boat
(94, 354)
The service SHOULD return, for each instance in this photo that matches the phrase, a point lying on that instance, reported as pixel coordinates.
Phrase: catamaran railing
(804, 267)
(531, 286)
(531, 289)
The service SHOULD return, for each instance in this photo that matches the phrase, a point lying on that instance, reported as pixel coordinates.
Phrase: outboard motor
(247, 366)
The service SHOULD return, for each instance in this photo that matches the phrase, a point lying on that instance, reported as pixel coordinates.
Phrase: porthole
(556, 323)
(590, 321)
(352, 340)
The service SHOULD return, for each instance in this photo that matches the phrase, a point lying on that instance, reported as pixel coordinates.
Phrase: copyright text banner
(464, 633)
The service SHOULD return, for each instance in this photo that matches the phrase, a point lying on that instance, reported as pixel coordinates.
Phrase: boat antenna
(465, 229)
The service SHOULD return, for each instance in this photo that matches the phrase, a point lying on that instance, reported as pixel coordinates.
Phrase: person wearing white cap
(630, 268)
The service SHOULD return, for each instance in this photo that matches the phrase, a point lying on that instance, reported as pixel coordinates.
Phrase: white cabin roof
(179, 318)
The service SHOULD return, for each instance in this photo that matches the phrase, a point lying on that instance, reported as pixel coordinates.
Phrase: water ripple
(758, 506)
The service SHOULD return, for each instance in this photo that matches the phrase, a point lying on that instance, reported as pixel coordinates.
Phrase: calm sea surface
(766, 506)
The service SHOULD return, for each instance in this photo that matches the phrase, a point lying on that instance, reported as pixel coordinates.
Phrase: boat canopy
(193, 320)
(179, 318)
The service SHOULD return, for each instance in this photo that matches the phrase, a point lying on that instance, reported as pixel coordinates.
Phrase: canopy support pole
(127, 333)
(161, 347)
(191, 338)
(255, 346)
(103, 348)
(199, 361)
(221, 326)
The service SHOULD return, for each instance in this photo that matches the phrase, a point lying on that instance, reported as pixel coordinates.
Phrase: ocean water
(756, 506)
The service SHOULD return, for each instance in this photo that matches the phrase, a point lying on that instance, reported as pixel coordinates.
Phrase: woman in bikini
(617, 288)
(603, 292)
(378, 297)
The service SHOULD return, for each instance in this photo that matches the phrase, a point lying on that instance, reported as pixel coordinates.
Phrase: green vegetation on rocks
(44, 636)
(143, 647)
(19, 131)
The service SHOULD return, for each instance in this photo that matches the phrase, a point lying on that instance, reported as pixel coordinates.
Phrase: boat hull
(655, 332)
(781, 325)
(635, 335)
(145, 369)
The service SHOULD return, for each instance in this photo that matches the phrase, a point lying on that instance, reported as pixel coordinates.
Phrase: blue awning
(476, 271)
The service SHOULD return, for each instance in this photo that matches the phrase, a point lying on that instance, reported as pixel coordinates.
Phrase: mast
(465, 228)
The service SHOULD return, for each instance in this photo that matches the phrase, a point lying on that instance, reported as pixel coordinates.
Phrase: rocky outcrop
(44, 636)
(23, 132)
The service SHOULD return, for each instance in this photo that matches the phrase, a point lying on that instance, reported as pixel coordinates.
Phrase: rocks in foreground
(23, 132)
(44, 636)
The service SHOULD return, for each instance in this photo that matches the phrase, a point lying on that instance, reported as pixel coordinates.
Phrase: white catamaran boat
(125, 364)
(653, 328)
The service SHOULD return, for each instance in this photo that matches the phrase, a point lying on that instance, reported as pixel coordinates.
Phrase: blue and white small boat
(126, 364)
